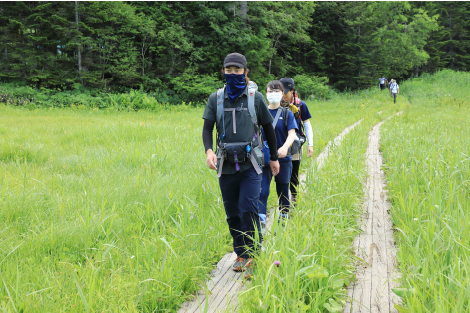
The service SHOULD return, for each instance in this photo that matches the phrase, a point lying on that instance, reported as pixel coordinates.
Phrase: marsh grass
(427, 164)
(105, 211)
(116, 211)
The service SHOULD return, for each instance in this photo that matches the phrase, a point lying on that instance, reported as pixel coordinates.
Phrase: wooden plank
(371, 291)
(222, 269)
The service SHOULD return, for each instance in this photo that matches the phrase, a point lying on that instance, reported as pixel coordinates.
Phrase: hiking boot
(249, 267)
(263, 228)
(239, 265)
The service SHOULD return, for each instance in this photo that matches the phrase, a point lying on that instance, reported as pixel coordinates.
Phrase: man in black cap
(239, 112)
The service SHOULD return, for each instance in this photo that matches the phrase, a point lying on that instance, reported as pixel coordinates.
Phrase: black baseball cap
(235, 59)
(288, 84)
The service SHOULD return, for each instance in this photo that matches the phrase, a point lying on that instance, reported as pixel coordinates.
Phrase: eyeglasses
(274, 90)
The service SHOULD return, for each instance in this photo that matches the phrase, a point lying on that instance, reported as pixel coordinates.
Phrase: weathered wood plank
(371, 291)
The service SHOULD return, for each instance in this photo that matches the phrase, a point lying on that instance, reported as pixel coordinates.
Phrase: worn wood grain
(376, 275)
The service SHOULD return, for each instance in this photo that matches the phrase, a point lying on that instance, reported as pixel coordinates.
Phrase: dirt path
(371, 292)
(225, 284)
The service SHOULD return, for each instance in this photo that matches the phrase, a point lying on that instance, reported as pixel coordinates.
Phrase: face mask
(235, 85)
(274, 97)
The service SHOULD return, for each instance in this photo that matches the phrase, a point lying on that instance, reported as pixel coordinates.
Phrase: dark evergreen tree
(178, 47)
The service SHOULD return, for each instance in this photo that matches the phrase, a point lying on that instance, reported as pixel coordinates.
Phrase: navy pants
(240, 192)
(282, 187)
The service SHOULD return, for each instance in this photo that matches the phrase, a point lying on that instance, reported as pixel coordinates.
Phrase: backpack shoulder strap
(285, 115)
(251, 109)
(276, 118)
(251, 105)
(220, 113)
(220, 104)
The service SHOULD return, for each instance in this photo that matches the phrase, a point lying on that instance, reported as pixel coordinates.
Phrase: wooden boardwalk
(377, 275)
(223, 286)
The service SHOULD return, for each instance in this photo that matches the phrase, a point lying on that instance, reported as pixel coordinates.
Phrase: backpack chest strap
(234, 117)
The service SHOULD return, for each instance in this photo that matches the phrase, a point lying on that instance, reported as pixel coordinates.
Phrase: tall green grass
(427, 163)
(116, 211)
(105, 211)
(113, 211)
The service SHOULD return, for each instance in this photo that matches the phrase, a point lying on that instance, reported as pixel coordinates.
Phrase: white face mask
(274, 97)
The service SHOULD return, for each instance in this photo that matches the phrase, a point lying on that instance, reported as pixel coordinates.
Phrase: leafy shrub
(133, 100)
(79, 97)
(310, 87)
(195, 88)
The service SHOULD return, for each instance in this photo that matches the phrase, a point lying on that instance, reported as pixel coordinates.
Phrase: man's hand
(282, 152)
(309, 151)
(274, 167)
(211, 159)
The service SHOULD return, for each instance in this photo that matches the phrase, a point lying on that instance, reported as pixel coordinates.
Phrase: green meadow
(116, 211)
(113, 211)
(427, 164)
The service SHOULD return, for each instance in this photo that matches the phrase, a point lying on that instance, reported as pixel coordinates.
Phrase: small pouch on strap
(238, 153)
(235, 152)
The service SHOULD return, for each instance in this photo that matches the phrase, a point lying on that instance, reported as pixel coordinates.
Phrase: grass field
(117, 212)
(427, 157)
(114, 211)
(101, 212)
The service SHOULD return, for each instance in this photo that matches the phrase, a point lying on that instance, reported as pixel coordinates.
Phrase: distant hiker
(239, 112)
(291, 98)
(394, 90)
(284, 126)
(382, 82)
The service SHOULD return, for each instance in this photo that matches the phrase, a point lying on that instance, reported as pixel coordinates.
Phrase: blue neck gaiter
(235, 85)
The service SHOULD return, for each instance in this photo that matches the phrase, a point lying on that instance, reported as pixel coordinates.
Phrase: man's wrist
(209, 149)
(274, 156)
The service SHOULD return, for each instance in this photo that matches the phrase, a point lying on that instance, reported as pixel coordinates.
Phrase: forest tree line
(178, 47)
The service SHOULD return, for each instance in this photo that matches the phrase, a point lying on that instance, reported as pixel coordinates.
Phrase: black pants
(382, 86)
(294, 180)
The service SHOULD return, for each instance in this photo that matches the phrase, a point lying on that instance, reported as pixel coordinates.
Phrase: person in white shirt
(394, 90)
(382, 82)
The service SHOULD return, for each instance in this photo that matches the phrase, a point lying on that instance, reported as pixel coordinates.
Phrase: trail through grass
(314, 248)
(114, 211)
(427, 157)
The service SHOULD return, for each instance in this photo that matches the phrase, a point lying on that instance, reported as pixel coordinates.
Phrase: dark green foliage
(449, 45)
(176, 49)
(29, 97)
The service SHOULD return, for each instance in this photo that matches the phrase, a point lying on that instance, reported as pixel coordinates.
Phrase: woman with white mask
(284, 126)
